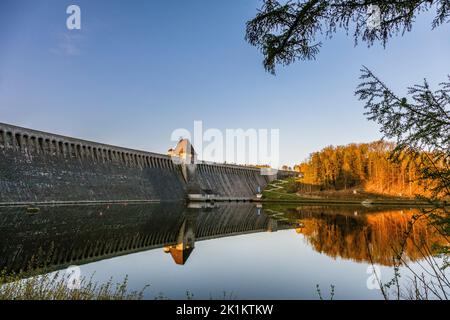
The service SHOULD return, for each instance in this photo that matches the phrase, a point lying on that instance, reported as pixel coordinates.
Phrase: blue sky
(137, 70)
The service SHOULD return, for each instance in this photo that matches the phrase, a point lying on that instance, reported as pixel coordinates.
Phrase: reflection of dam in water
(61, 236)
(57, 237)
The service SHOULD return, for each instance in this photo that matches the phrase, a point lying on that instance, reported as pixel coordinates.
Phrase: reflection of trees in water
(353, 234)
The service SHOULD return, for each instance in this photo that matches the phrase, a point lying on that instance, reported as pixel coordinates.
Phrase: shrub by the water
(55, 286)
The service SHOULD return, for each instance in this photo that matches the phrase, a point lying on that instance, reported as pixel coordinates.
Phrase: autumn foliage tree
(365, 166)
(286, 31)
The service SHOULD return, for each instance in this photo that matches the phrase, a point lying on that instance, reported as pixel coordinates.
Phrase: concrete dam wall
(37, 166)
(42, 167)
(230, 181)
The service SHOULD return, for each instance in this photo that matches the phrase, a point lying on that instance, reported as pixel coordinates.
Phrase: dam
(39, 167)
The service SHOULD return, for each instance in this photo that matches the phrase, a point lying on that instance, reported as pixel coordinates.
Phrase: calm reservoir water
(242, 251)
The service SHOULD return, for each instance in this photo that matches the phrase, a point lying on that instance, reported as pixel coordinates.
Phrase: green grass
(285, 191)
(278, 190)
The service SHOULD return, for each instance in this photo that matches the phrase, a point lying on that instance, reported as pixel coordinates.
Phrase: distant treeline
(366, 166)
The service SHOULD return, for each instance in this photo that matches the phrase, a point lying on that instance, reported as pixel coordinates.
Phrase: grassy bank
(285, 191)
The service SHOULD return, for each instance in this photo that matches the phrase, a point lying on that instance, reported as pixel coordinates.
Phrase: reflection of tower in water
(203, 221)
(182, 249)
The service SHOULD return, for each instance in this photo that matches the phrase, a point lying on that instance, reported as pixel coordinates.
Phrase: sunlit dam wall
(230, 181)
(39, 167)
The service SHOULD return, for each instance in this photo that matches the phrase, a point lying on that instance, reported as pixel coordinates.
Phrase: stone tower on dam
(42, 167)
